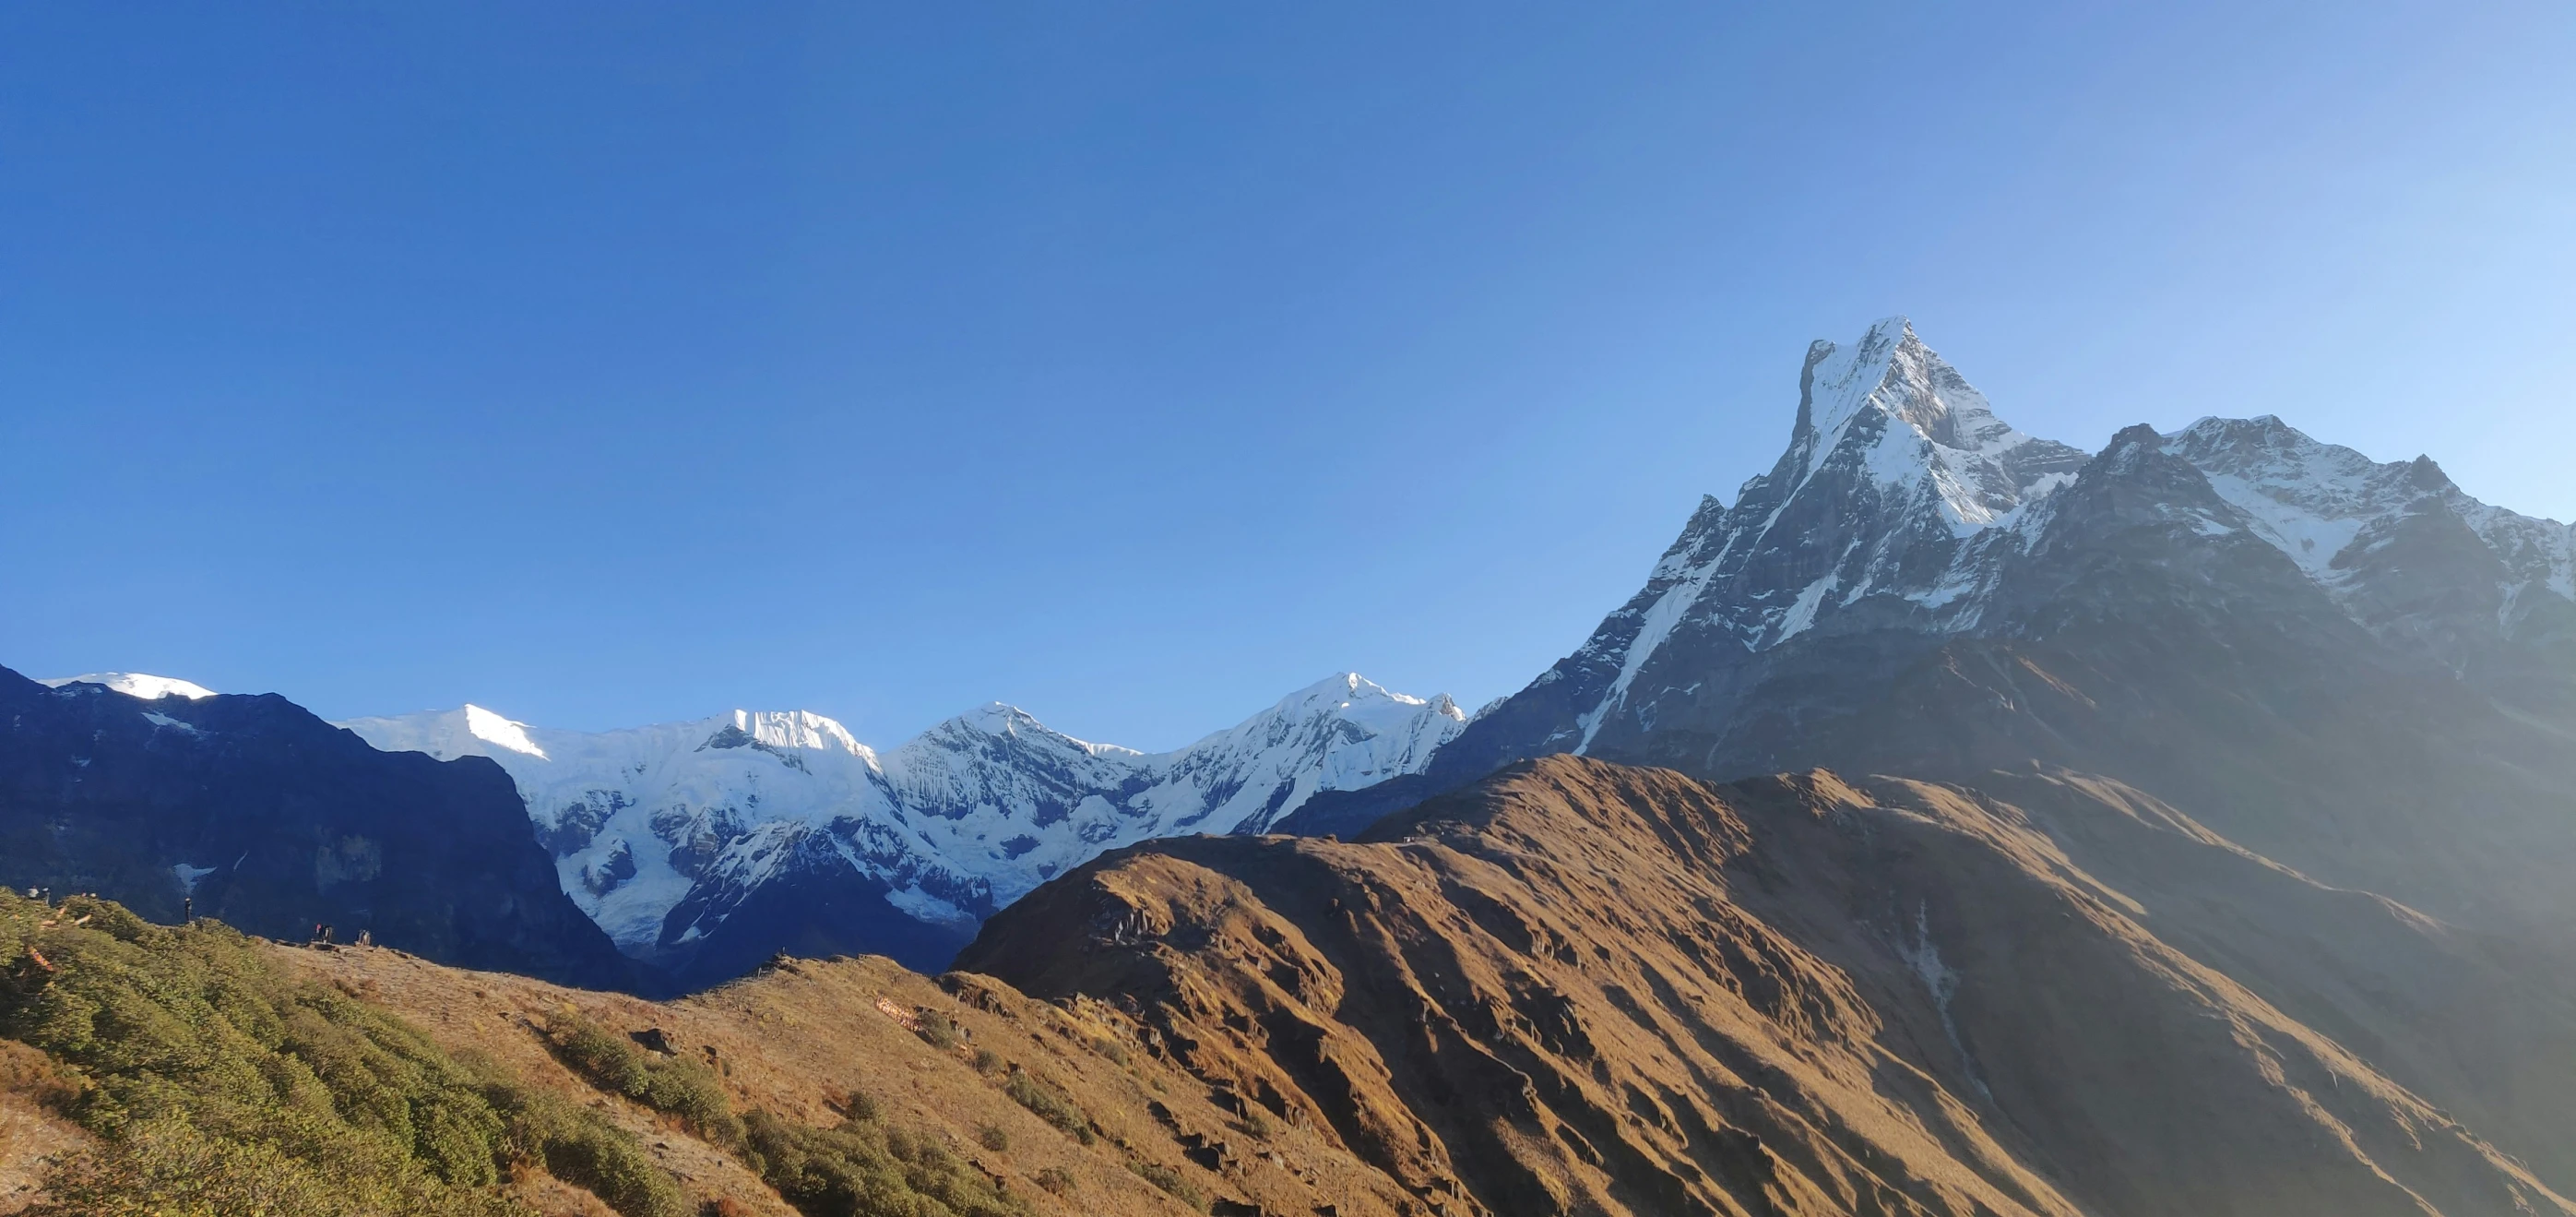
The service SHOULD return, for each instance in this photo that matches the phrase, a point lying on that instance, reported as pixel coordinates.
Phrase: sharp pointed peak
(1885, 334)
(1890, 373)
(1893, 329)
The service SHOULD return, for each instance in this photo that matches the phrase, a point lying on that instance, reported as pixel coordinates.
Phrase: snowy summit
(135, 684)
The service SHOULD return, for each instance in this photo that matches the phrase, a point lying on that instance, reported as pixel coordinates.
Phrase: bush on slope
(220, 1085)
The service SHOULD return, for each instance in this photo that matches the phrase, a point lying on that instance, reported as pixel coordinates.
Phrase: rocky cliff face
(274, 820)
(1584, 988)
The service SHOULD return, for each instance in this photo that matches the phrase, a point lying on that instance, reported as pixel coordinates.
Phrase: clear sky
(613, 363)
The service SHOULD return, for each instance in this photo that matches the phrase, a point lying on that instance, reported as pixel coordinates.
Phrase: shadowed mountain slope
(276, 821)
(1579, 987)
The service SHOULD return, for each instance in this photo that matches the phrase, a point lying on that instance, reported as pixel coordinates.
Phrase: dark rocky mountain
(274, 821)
(1579, 987)
(2351, 667)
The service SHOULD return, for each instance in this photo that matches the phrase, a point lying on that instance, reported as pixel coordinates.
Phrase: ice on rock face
(968, 816)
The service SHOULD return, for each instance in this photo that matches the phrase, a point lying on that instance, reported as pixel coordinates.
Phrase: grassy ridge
(221, 1085)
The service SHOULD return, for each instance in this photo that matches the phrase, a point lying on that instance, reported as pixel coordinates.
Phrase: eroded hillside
(1584, 988)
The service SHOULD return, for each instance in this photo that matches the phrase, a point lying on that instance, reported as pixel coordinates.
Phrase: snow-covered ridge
(2316, 502)
(966, 817)
(135, 684)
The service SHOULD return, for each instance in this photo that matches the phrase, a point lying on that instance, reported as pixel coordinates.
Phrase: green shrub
(938, 1031)
(163, 1168)
(689, 1091)
(861, 1105)
(1170, 1181)
(859, 1169)
(220, 1084)
(579, 1148)
(1056, 1180)
(1050, 1106)
(866, 1170)
(987, 1060)
(994, 1137)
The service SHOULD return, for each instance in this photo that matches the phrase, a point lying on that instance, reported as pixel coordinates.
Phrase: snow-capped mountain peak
(468, 730)
(1897, 482)
(2355, 525)
(797, 729)
(135, 684)
(1889, 409)
(1003, 719)
(1903, 506)
(1347, 690)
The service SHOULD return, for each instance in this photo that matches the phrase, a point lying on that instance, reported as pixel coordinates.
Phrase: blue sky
(612, 363)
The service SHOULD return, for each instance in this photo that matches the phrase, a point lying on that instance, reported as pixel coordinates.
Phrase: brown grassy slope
(1585, 988)
(32, 1135)
(800, 1038)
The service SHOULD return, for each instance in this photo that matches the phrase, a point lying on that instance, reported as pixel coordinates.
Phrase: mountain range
(704, 847)
(1957, 822)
